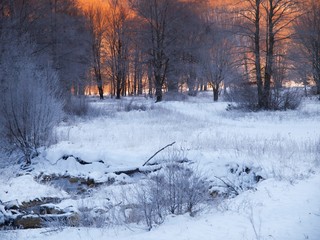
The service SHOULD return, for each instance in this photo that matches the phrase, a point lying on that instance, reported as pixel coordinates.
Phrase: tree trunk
(215, 94)
(270, 41)
(140, 86)
(316, 68)
(158, 93)
(158, 88)
(118, 87)
(135, 82)
(257, 54)
(100, 87)
(118, 94)
(150, 79)
(318, 87)
(124, 86)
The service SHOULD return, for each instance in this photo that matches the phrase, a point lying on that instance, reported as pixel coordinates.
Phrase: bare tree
(218, 58)
(190, 43)
(307, 30)
(218, 65)
(118, 43)
(250, 29)
(278, 16)
(95, 13)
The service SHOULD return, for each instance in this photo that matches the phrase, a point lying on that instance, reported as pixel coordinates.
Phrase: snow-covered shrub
(176, 189)
(242, 97)
(245, 97)
(91, 217)
(30, 103)
(184, 190)
(150, 204)
(131, 106)
(239, 178)
(285, 99)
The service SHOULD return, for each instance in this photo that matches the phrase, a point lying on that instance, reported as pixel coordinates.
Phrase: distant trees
(162, 34)
(59, 33)
(152, 46)
(187, 58)
(158, 35)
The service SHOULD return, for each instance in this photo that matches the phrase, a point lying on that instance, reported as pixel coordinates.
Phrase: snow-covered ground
(282, 146)
(276, 210)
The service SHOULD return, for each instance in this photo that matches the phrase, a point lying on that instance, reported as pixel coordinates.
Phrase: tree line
(151, 46)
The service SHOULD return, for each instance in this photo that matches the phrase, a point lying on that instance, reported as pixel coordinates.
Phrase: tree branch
(169, 145)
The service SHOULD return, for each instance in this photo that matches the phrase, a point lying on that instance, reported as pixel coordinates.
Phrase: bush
(176, 189)
(88, 217)
(285, 99)
(242, 97)
(30, 106)
(131, 106)
(240, 178)
(246, 97)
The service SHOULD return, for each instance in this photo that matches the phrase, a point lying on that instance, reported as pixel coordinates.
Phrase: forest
(135, 47)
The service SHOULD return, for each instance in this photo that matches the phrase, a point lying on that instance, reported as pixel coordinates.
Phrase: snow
(203, 131)
(25, 188)
(279, 210)
(280, 146)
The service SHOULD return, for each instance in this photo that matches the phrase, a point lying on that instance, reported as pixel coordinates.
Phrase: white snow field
(284, 147)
